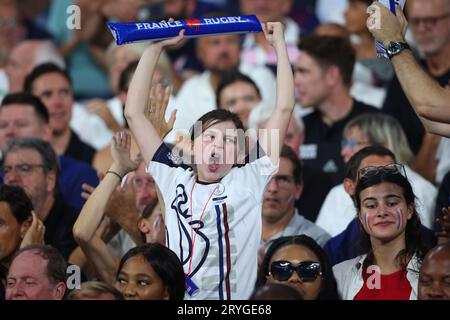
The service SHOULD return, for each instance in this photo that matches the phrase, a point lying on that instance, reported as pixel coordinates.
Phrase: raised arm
(279, 120)
(84, 229)
(138, 95)
(430, 101)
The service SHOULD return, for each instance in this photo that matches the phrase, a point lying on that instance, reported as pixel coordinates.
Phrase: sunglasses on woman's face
(307, 271)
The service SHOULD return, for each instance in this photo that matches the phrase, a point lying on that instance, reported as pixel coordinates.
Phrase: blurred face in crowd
(434, 278)
(294, 136)
(11, 30)
(11, 232)
(239, 97)
(20, 64)
(146, 225)
(138, 281)
(267, 10)
(354, 140)
(310, 81)
(20, 120)
(356, 16)
(296, 254)
(384, 212)
(28, 280)
(219, 53)
(56, 93)
(215, 151)
(121, 57)
(281, 193)
(24, 168)
(144, 187)
(430, 24)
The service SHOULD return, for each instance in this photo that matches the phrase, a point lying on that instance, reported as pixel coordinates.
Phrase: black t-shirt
(77, 149)
(58, 227)
(442, 200)
(321, 155)
(397, 105)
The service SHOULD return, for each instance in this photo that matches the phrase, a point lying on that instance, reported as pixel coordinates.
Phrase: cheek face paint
(366, 220)
(399, 218)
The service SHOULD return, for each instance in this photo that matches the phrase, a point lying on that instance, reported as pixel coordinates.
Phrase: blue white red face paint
(144, 31)
(399, 213)
(366, 221)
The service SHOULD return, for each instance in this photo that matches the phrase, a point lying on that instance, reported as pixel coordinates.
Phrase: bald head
(434, 278)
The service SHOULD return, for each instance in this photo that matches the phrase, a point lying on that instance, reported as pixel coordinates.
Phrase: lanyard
(194, 236)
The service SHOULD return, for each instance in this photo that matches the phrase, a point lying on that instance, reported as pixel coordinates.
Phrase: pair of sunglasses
(307, 271)
(395, 168)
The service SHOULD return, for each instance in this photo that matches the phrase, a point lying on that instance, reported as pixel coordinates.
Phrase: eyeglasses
(23, 169)
(307, 271)
(371, 171)
(428, 22)
(351, 143)
(139, 183)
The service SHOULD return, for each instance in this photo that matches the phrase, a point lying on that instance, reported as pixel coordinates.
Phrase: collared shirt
(349, 276)
(321, 150)
(298, 225)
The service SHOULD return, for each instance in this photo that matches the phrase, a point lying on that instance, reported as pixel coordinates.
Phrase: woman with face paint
(390, 229)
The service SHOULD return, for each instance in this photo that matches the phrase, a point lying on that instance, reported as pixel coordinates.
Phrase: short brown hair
(328, 51)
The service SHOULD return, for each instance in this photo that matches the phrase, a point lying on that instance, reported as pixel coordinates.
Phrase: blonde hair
(93, 289)
(382, 129)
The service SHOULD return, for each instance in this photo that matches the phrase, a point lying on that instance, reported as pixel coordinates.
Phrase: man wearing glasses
(279, 215)
(32, 164)
(430, 25)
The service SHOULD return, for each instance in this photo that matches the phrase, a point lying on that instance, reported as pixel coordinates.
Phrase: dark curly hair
(328, 290)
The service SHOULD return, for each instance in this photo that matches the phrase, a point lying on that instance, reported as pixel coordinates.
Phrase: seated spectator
(435, 274)
(32, 164)
(95, 290)
(25, 56)
(44, 268)
(347, 245)
(323, 79)
(393, 243)
(276, 291)
(239, 94)
(298, 261)
(53, 86)
(256, 51)
(279, 216)
(150, 272)
(23, 115)
(15, 220)
(368, 130)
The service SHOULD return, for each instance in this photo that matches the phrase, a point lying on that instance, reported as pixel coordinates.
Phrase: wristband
(115, 173)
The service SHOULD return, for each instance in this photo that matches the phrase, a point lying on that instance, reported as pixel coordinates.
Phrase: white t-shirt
(224, 240)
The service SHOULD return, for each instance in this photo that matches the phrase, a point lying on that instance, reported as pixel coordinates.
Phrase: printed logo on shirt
(174, 158)
(308, 151)
(330, 167)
